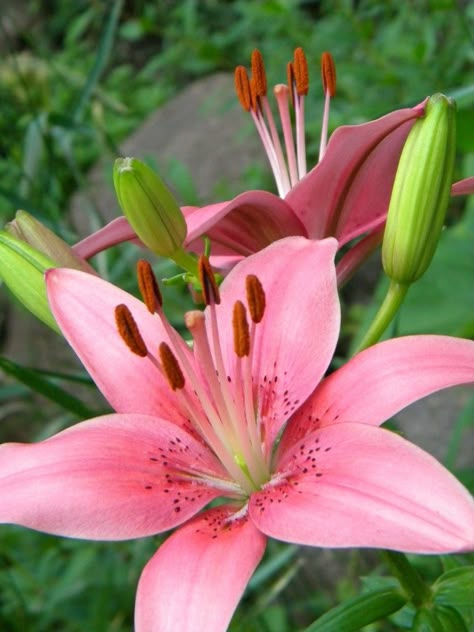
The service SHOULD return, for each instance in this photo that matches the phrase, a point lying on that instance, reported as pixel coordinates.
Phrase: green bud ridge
(420, 193)
(149, 206)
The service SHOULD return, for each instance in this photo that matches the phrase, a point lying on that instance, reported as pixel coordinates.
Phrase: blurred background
(85, 82)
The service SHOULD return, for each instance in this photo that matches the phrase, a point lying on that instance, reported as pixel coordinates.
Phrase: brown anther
(255, 297)
(171, 367)
(258, 73)
(148, 286)
(328, 73)
(241, 330)
(300, 66)
(242, 87)
(209, 286)
(129, 332)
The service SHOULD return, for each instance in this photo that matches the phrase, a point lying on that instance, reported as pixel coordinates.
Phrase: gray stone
(203, 127)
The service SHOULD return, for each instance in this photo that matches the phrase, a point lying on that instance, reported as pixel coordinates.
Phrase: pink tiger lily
(195, 425)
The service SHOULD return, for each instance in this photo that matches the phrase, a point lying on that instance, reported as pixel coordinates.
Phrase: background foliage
(75, 79)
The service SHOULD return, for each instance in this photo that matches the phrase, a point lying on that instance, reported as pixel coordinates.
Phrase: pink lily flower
(346, 195)
(195, 425)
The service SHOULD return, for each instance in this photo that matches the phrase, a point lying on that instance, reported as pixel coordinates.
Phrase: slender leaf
(39, 384)
(355, 613)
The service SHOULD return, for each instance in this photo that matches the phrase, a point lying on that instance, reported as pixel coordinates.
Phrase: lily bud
(149, 207)
(420, 193)
(22, 269)
(28, 229)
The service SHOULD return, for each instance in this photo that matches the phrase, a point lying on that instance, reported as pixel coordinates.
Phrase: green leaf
(39, 384)
(450, 619)
(355, 613)
(426, 621)
(455, 587)
(103, 54)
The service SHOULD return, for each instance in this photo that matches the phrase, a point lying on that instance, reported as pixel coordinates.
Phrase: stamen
(253, 95)
(300, 67)
(290, 79)
(129, 332)
(242, 87)
(148, 286)
(209, 286)
(328, 73)
(255, 297)
(328, 76)
(171, 367)
(241, 330)
(258, 73)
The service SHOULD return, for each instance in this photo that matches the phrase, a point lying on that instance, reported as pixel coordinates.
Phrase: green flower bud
(420, 193)
(149, 207)
(22, 269)
(28, 229)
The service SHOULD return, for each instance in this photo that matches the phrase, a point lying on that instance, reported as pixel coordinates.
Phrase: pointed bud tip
(149, 206)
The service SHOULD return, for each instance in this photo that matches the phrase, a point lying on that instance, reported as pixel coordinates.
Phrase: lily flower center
(222, 408)
(288, 166)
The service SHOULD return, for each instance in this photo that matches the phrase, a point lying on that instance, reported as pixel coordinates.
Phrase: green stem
(413, 585)
(186, 261)
(391, 304)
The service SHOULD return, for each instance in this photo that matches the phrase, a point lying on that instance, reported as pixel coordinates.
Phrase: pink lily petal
(115, 232)
(84, 309)
(353, 485)
(357, 254)
(296, 339)
(110, 478)
(244, 225)
(463, 187)
(348, 192)
(195, 580)
(384, 379)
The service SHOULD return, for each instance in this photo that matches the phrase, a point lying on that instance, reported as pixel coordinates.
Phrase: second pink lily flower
(346, 195)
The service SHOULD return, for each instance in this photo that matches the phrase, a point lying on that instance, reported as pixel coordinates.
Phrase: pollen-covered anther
(328, 73)
(242, 87)
(129, 332)
(209, 286)
(171, 367)
(258, 73)
(300, 67)
(241, 330)
(255, 297)
(148, 286)
(254, 102)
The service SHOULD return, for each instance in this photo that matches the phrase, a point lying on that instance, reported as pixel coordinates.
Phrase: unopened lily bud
(420, 193)
(22, 270)
(28, 229)
(149, 207)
